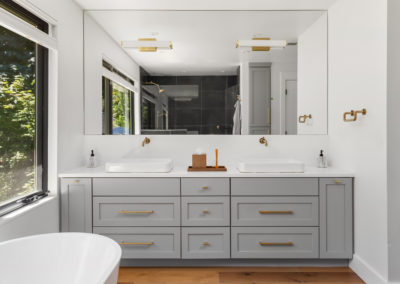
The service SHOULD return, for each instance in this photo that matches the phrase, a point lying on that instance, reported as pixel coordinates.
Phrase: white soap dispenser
(92, 160)
(322, 160)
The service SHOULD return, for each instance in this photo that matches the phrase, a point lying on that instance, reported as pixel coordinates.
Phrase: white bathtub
(60, 258)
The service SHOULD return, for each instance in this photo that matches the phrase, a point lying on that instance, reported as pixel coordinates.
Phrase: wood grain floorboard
(237, 275)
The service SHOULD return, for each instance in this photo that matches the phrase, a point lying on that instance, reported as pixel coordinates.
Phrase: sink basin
(140, 165)
(271, 166)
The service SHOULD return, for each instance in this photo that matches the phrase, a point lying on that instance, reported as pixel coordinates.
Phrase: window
(23, 114)
(117, 102)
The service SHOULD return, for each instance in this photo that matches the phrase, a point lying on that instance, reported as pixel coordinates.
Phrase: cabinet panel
(136, 186)
(205, 242)
(205, 211)
(274, 186)
(272, 242)
(76, 205)
(136, 211)
(146, 242)
(275, 211)
(205, 186)
(336, 217)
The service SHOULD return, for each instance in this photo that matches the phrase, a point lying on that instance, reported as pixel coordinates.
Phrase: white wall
(66, 103)
(98, 46)
(393, 136)
(312, 78)
(357, 79)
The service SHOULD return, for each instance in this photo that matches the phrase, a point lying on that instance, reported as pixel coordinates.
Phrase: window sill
(26, 209)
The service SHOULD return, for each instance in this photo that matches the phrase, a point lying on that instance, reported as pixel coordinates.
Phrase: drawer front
(275, 211)
(145, 242)
(136, 186)
(136, 211)
(274, 186)
(205, 211)
(283, 242)
(203, 242)
(205, 186)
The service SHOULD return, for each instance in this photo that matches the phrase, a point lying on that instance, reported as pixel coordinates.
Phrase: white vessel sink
(140, 165)
(271, 166)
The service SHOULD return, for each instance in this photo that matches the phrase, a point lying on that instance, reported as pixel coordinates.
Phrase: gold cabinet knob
(204, 187)
(206, 244)
(206, 211)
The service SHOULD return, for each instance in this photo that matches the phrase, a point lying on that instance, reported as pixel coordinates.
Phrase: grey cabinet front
(275, 211)
(136, 211)
(273, 242)
(76, 205)
(336, 218)
(205, 242)
(149, 242)
(205, 211)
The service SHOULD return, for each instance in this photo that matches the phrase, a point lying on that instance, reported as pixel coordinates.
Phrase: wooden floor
(237, 275)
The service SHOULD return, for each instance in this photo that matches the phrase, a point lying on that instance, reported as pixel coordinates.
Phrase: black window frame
(41, 104)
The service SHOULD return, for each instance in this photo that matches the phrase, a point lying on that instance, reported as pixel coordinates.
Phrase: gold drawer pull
(337, 181)
(204, 187)
(136, 244)
(136, 212)
(206, 244)
(205, 211)
(275, 212)
(76, 181)
(275, 244)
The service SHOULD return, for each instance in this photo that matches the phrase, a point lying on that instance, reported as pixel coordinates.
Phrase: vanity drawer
(136, 186)
(282, 242)
(204, 242)
(274, 186)
(205, 211)
(205, 186)
(145, 242)
(136, 211)
(275, 211)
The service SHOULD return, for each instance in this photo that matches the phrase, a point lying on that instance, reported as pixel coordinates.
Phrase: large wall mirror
(205, 72)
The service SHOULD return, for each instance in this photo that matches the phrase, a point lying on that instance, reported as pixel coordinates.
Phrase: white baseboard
(366, 272)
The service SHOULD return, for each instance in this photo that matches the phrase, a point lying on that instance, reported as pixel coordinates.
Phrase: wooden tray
(207, 169)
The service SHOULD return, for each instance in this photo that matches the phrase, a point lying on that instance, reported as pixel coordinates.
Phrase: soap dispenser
(322, 160)
(92, 160)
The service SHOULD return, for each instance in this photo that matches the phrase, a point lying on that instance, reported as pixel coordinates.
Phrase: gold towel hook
(353, 114)
(303, 118)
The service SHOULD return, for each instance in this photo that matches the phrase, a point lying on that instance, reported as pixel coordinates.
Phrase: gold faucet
(145, 141)
(263, 140)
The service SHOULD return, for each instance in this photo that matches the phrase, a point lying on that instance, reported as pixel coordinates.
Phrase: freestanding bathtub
(60, 258)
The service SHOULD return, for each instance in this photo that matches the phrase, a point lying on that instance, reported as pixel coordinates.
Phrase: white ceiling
(204, 41)
(206, 4)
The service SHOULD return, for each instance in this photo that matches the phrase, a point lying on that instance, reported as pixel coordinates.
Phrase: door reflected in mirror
(205, 72)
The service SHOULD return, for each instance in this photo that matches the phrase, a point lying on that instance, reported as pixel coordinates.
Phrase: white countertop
(181, 171)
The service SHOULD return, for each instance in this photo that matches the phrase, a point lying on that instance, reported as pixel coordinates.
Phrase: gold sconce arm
(303, 118)
(353, 114)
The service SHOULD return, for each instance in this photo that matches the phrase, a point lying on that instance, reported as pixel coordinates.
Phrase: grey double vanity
(229, 215)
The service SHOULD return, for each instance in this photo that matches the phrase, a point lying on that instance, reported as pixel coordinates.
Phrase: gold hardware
(204, 187)
(76, 181)
(263, 140)
(237, 44)
(136, 244)
(303, 118)
(205, 211)
(275, 244)
(147, 49)
(337, 181)
(145, 141)
(239, 98)
(275, 212)
(136, 212)
(354, 114)
(206, 244)
(157, 85)
(260, 48)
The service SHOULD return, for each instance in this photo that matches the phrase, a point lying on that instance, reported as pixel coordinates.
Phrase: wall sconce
(303, 118)
(353, 114)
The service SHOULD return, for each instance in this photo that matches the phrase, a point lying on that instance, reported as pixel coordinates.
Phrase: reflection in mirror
(237, 72)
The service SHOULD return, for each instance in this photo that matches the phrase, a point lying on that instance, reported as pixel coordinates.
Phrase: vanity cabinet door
(205, 211)
(76, 205)
(336, 218)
